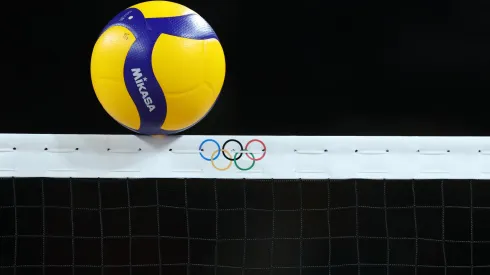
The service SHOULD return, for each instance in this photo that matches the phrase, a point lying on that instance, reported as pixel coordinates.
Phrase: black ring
(241, 149)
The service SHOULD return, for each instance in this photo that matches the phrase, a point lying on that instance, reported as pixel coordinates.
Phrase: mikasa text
(140, 82)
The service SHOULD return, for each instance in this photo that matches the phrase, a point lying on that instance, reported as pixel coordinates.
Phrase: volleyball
(157, 68)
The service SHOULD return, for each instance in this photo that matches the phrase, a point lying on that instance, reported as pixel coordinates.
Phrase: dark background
(353, 67)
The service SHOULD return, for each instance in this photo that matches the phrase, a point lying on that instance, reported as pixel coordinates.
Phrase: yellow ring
(214, 165)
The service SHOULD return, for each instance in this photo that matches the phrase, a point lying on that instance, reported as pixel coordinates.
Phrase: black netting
(252, 227)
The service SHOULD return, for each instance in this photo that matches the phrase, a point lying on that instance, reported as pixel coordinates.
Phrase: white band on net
(259, 157)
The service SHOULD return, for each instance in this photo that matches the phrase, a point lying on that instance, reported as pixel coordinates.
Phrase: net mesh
(208, 226)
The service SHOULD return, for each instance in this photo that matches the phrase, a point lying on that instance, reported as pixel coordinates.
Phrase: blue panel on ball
(141, 83)
(190, 26)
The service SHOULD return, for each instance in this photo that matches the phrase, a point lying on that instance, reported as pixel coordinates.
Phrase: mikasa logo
(140, 82)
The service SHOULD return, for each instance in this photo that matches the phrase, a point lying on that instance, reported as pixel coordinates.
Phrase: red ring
(263, 145)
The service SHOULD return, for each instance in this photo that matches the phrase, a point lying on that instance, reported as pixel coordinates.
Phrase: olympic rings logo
(232, 158)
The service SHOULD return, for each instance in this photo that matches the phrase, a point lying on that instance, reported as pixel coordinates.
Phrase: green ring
(240, 168)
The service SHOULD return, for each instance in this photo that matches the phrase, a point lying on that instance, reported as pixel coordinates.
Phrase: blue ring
(217, 145)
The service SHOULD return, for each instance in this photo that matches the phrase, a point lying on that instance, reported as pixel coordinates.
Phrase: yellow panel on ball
(158, 68)
(108, 78)
(181, 65)
(162, 9)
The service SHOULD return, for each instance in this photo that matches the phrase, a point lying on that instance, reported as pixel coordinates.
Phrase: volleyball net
(244, 205)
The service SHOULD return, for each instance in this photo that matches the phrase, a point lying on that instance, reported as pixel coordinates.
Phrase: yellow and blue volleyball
(157, 68)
